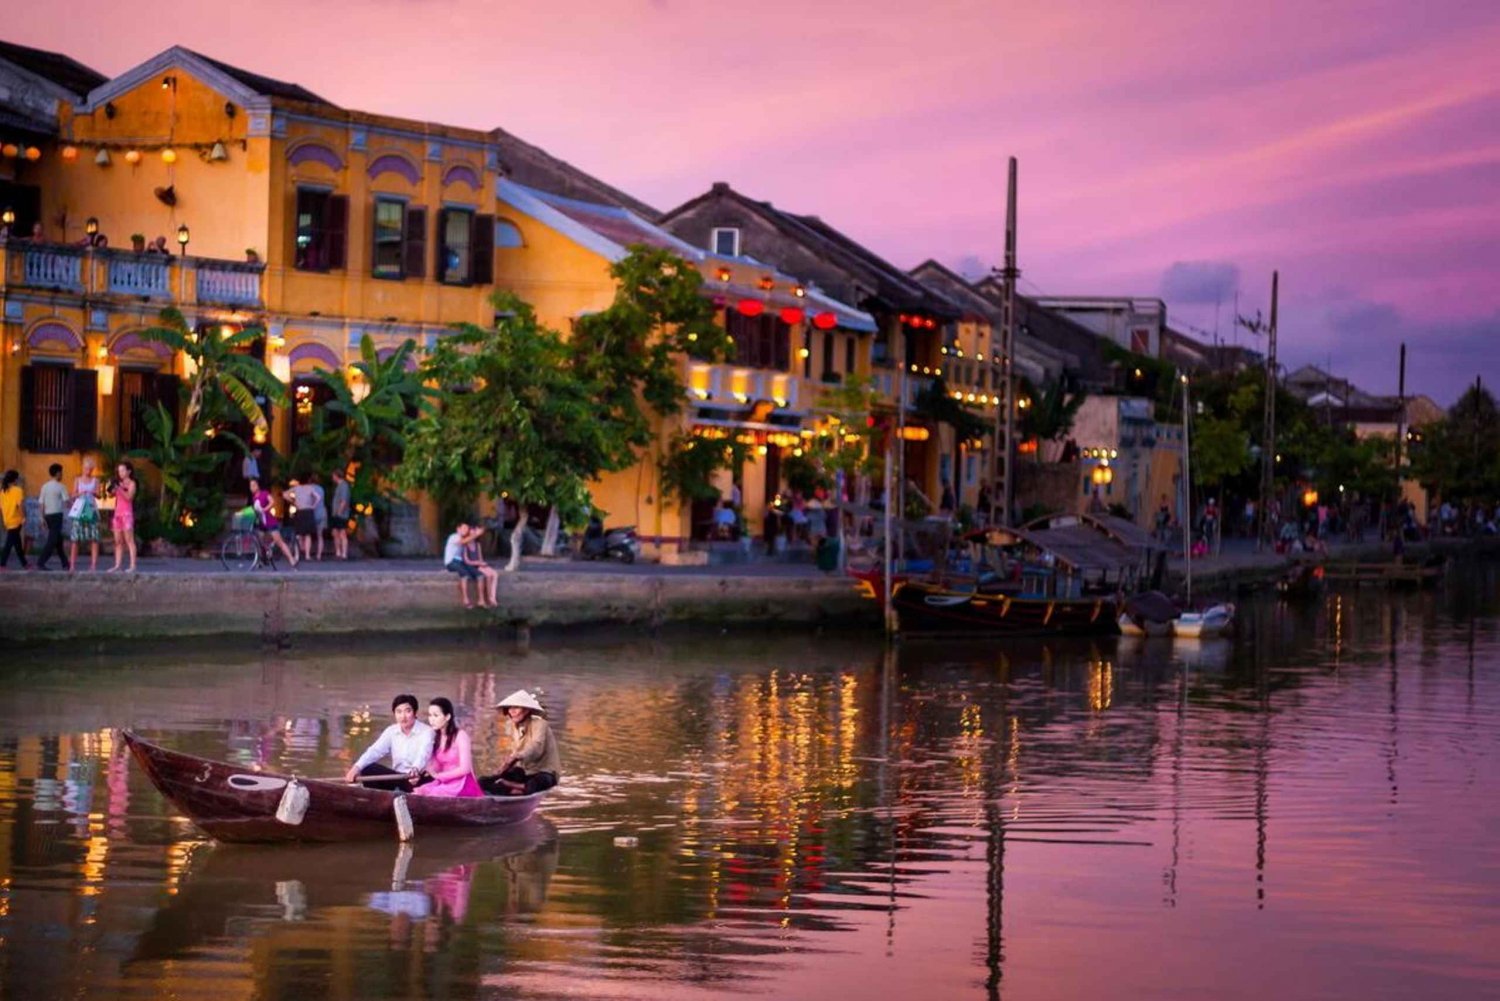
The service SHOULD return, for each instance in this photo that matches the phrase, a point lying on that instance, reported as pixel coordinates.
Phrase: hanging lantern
(169, 155)
(102, 158)
(33, 154)
(69, 153)
(791, 315)
(767, 282)
(724, 274)
(751, 307)
(133, 157)
(825, 321)
(10, 149)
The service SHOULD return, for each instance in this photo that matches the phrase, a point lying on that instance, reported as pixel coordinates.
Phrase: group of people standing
(436, 758)
(312, 514)
(82, 507)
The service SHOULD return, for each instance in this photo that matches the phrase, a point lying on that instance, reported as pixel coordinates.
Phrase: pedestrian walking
(341, 511)
(53, 498)
(304, 518)
(123, 523)
(85, 516)
(13, 517)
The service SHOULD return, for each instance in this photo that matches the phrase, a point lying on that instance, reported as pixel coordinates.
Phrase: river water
(1308, 810)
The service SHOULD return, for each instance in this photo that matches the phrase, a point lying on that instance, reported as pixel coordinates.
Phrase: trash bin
(828, 554)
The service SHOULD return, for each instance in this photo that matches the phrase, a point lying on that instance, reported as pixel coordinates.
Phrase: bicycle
(245, 549)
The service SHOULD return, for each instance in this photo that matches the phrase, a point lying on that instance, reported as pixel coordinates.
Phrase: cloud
(1200, 282)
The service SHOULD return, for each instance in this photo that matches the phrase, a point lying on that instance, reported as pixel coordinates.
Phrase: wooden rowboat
(235, 804)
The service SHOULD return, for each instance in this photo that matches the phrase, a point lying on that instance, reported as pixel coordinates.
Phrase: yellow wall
(222, 203)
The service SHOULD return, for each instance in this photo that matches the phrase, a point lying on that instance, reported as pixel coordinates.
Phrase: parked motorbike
(614, 544)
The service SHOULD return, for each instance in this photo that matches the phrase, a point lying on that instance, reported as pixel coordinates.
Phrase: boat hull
(1213, 622)
(924, 608)
(233, 804)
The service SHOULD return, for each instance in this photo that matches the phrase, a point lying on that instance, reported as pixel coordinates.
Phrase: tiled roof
(264, 84)
(616, 224)
(66, 72)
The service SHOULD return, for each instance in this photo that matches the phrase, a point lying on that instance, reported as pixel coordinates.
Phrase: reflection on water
(1305, 811)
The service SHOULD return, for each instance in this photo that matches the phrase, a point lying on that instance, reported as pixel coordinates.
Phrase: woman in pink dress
(123, 522)
(451, 766)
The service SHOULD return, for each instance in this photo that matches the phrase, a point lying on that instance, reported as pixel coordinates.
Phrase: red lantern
(791, 315)
(825, 321)
(752, 307)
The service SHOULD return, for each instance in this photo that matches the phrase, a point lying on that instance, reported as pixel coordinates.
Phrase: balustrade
(139, 274)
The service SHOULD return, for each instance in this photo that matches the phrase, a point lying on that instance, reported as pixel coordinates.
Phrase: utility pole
(1268, 437)
(1005, 448)
(1268, 468)
(1400, 419)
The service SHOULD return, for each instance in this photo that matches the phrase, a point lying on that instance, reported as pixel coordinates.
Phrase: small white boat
(1214, 621)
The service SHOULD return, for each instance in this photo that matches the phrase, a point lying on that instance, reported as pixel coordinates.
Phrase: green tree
(363, 428)
(1221, 449)
(632, 350)
(1458, 457)
(1049, 412)
(226, 379)
(190, 504)
(515, 416)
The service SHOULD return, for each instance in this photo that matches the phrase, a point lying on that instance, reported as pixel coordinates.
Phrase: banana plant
(222, 370)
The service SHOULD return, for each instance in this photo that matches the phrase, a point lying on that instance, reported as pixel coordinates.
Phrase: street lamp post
(182, 238)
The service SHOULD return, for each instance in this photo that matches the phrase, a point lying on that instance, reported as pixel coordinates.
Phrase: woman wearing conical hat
(533, 764)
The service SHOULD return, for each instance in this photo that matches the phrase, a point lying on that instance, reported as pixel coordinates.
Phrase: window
(388, 257)
(322, 230)
(760, 341)
(849, 365)
(59, 409)
(830, 370)
(138, 393)
(726, 242)
(466, 248)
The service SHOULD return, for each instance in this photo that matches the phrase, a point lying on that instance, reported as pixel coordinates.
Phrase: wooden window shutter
(28, 408)
(482, 250)
(336, 232)
(84, 433)
(414, 251)
(783, 345)
(164, 390)
(439, 251)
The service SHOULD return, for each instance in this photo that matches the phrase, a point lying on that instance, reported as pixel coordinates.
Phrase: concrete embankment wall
(38, 608)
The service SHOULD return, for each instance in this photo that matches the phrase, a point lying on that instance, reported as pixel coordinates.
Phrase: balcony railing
(140, 274)
(45, 266)
(735, 385)
(229, 283)
(102, 272)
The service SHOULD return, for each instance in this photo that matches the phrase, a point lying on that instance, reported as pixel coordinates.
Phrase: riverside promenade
(198, 597)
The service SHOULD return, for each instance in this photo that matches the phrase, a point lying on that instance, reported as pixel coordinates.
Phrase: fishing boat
(929, 608)
(234, 804)
(1060, 576)
(1215, 620)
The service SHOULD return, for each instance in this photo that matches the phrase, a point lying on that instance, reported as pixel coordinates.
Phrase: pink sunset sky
(1178, 149)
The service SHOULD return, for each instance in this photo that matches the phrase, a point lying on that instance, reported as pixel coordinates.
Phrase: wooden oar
(381, 778)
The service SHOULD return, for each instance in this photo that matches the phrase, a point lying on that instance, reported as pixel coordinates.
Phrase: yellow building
(791, 342)
(274, 207)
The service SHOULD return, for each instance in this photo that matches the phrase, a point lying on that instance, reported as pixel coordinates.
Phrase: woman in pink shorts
(123, 524)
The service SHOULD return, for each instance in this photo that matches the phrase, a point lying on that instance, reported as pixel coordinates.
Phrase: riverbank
(187, 598)
(181, 598)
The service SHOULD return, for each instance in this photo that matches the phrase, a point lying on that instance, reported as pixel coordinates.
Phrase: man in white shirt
(454, 562)
(408, 741)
